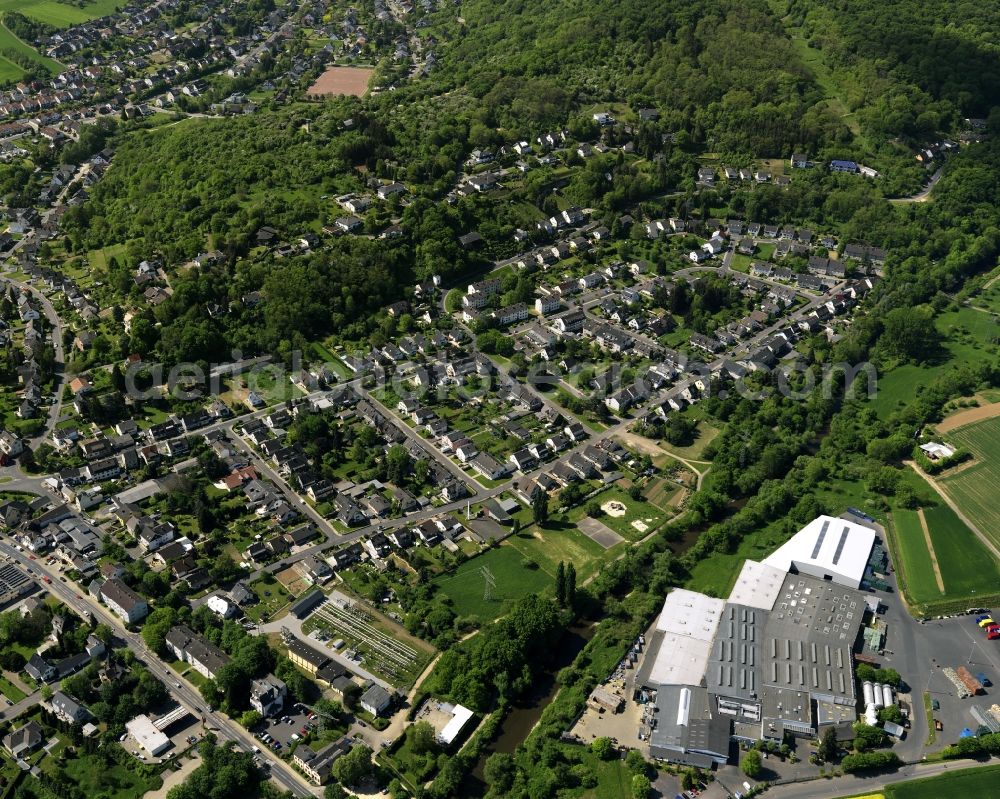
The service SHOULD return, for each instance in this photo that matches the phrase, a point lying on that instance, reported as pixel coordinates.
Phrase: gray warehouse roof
(808, 638)
(734, 667)
(684, 730)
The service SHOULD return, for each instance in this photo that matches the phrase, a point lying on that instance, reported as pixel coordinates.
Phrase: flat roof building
(776, 657)
(757, 586)
(460, 716)
(683, 638)
(831, 549)
(147, 736)
(685, 730)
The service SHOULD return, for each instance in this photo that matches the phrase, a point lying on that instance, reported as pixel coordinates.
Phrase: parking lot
(919, 652)
(281, 728)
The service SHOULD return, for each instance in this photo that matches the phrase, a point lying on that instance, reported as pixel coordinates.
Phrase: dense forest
(937, 61)
(721, 70)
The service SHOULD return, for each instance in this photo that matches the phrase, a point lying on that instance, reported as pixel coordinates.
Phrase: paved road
(850, 785)
(411, 435)
(925, 194)
(18, 708)
(56, 332)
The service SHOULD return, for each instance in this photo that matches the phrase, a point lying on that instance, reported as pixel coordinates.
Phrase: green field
(514, 579)
(8, 41)
(981, 783)
(547, 547)
(61, 15)
(972, 488)
(94, 778)
(916, 560)
(969, 340)
(966, 565)
(968, 569)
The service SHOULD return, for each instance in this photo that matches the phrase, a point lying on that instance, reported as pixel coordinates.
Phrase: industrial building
(775, 658)
(828, 548)
(147, 735)
(460, 717)
(14, 583)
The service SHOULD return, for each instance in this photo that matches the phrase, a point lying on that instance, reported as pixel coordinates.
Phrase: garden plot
(378, 651)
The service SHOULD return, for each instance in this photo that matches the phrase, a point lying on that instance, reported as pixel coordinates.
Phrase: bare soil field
(342, 80)
(968, 416)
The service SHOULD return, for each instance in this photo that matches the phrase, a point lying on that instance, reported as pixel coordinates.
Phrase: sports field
(512, 579)
(974, 489)
(967, 568)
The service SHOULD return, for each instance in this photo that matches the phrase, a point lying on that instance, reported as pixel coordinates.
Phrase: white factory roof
(688, 623)
(757, 586)
(828, 548)
(147, 736)
(459, 718)
(681, 660)
(690, 614)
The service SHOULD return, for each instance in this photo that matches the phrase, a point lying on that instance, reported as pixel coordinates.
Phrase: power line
(489, 583)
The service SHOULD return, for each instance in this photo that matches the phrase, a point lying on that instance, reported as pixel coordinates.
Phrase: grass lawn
(8, 41)
(741, 263)
(641, 512)
(614, 780)
(972, 488)
(465, 587)
(268, 605)
(982, 783)
(765, 251)
(548, 546)
(9, 71)
(11, 691)
(93, 778)
(98, 259)
(695, 451)
(969, 337)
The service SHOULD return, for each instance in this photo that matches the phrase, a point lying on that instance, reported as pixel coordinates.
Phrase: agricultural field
(514, 575)
(61, 15)
(982, 783)
(921, 585)
(973, 488)
(967, 568)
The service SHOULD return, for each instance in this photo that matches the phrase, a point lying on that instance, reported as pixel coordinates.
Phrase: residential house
(123, 601)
